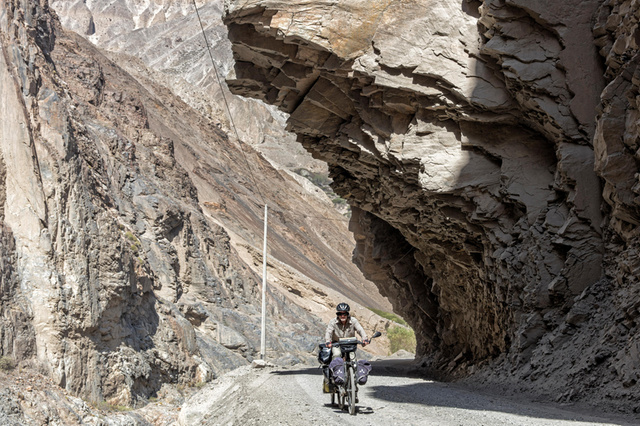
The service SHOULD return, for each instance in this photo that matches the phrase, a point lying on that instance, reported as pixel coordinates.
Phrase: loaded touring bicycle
(343, 375)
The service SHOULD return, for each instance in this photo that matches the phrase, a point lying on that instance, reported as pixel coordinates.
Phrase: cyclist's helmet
(342, 308)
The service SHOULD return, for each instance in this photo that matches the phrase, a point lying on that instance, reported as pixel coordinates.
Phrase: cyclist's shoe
(326, 386)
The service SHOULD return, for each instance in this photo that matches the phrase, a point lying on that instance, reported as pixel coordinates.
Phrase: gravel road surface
(293, 396)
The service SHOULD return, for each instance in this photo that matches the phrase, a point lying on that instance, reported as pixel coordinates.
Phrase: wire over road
(226, 103)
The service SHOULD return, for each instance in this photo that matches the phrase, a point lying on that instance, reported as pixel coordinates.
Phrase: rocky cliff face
(489, 151)
(117, 274)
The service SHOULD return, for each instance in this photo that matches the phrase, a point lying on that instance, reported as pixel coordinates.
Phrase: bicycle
(346, 394)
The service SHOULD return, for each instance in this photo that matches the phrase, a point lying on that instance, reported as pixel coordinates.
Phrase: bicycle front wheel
(351, 390)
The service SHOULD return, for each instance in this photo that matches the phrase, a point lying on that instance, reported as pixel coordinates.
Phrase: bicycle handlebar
(358, 342)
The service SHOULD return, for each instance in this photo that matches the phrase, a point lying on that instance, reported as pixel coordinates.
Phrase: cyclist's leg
(335, 352)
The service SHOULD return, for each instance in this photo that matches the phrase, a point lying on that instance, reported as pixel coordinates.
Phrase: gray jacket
(336, 331)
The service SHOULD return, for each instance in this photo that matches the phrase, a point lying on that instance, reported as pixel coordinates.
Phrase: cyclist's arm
(359, 329)
(328, 334)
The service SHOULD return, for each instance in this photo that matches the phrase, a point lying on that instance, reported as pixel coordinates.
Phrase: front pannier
(362, 371)
(337, 371)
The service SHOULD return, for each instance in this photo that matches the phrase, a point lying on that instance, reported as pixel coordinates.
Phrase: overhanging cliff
(489, 151)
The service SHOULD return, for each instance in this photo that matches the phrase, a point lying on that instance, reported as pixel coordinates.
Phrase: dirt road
(293, 396)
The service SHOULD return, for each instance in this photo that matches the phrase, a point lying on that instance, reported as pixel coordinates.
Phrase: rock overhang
(463, 165)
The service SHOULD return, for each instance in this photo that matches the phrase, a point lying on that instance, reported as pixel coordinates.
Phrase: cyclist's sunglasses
(342, 314)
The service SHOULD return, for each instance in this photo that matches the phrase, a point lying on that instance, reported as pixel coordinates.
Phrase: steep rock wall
(490, 156)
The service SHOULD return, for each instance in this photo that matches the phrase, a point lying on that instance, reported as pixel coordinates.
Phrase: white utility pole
(263, 340)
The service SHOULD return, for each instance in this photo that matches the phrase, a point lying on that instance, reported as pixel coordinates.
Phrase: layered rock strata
(489, 150)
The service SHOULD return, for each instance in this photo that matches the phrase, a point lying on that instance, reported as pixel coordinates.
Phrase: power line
(233, 125)
(263, 345)
(235, 130)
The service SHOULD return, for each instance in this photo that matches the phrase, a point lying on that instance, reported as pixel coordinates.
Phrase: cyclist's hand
(328, 344)
(365, 342)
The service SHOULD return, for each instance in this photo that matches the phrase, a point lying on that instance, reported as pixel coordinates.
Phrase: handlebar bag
(348, 344)
(337, 371)
(362, 371)
(348, 348)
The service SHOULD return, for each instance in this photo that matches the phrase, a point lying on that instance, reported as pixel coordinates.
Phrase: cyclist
(344, 325)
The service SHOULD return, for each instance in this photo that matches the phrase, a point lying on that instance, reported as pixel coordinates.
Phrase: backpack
(324, 354)
(337, 371)
(362, 371)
